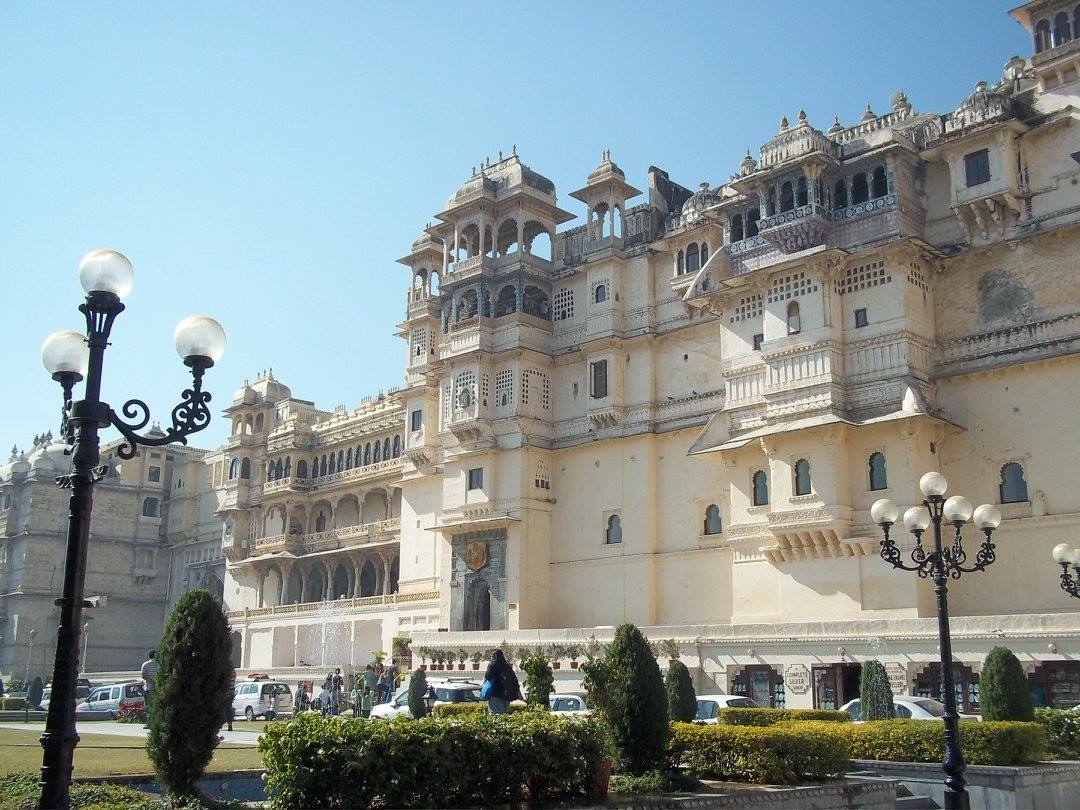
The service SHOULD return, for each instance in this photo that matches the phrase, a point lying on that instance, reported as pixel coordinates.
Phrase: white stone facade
(679, 412)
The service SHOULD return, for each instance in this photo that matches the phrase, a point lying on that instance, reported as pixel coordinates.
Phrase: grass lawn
(102, 755)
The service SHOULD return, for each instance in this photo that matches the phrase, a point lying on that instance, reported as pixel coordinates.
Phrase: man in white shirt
(149, 672)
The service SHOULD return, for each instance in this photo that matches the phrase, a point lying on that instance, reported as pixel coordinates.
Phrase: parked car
(45, 695)
(446, 691)
(906, 706)
(83, 688)
(709, 705)
(262, 699)
(111, 698)
(572, 703)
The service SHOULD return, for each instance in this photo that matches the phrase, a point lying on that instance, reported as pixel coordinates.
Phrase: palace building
(674, 406)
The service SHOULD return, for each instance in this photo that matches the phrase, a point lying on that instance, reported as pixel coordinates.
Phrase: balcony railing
(291, 482)
(354, 605)
(345, 536)
(376, 470)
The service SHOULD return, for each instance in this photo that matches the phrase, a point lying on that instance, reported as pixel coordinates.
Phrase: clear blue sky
(266, 162)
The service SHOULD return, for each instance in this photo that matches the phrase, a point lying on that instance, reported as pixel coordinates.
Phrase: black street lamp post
(941, 563)
(1065, 556)
(71, 357)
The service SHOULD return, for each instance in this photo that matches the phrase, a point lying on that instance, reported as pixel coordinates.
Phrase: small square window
(758, 340)
(977, 167)
(476, 478)
(153, 474)
(860, 318)
(416, 420)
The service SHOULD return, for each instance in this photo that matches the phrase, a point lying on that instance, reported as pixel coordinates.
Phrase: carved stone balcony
(355, 605)
(276, 544)
(801, 228)
(369, 472)
(290, 484)
(349, 536)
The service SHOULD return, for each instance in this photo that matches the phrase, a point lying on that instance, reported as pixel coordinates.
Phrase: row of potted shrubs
(436, 659)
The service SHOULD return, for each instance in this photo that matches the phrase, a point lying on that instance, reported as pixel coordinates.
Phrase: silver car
(110, 698)
(906, 706)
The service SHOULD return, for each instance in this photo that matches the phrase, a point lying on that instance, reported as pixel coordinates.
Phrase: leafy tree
(417, 692)
(540, 683)
(681, 698)
(188, 697)
(1003, 687)
(875, 693)
(627, 689)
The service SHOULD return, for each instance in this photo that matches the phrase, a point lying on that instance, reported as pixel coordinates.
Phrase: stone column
(328, 589)
(285, 518)
(520, 231)
(356, 578)
(259, 590)
(303, 584)
(386, 576)
(286, 570)
(454, 248)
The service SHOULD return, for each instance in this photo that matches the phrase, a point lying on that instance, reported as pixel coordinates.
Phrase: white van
(111, 698)
(267, 699)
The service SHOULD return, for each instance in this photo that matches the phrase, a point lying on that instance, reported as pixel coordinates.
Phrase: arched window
(860, 189)
(386, 448)
(1062, 33)
(397, 446)
(878, 479)
(736, 228)
(1042, 36)
(704, 253)
(712, 519)
(376, 455)
(322, 466)
(369, 580)
(259, 423)
(279, 471)
(760, 486)
(150, 507)
(301, 469)
(333, 463)
(794, 319)
(1012, 487)
(614, 530)
(679, 264)
(367, 454)
(693, 259)
(340, 460)
(839, 195)
(320, 522)
(879, 183)
(802, 195)
(752, 218)
(288, 466)
(234, 468)
(348, 459)
(802, 477)
(787, 197)
(245, 468)
(506, 301)
(600, 294)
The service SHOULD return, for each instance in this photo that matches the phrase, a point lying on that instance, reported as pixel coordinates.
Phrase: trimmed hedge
(772, 755)
(770, 717)
(1062, 729)
(315, 761)
(983, 743)
(12, 703)
(472, 709)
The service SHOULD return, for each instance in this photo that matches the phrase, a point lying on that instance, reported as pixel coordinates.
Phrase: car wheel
(249, 714)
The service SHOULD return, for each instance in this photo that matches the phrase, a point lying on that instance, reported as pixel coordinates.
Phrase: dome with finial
(748, 165)
(426, 240)
(495, 178)
(984, 104)
(784, 124)
(606, 166)
(868, 115)
(836, 127)
(50, 458)
(802, 119)
(16, 467)
(699, 201)
(899, 101)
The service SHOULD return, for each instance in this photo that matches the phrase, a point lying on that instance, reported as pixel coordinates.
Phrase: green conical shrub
(188, 698)
(681, 699)
(627, 689)
(540, 683)
(1004, 693)
(875, 693)
(417, 691)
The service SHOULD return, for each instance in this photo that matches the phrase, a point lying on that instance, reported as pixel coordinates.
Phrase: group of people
(374, 685)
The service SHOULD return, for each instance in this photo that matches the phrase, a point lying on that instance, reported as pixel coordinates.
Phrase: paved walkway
(131, 730)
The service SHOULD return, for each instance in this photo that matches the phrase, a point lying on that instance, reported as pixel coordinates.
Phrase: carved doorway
(478, 605)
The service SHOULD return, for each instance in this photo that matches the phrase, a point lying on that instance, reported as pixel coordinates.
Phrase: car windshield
(457, 695)
(742, 703)
(931, 706)
(706, 709)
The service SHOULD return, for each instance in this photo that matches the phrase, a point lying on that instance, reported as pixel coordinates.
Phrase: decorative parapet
(276, 544)
(345, 536)
(794, 143)
(377, 470)
(291, 483)
(803, 227)
(355, 605)
(1050, 337)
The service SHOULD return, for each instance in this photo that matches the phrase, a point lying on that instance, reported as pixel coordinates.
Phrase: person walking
(370, 680)
(300, 704)
(501, 684)
(385, 686)
(230, 697)
(149, 671)
(354, 697)
(324, 700)
(365, 702)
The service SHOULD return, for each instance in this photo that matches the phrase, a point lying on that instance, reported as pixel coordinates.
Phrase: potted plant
(670, 648)
(401, 646)
(462, 657)
(477, 657)
(437, 657)
(377, 656)
(424, 653)
(555, 654)
(573, 652)
(593, 648)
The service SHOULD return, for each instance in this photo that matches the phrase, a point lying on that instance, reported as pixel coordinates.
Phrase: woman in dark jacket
(504, 684)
